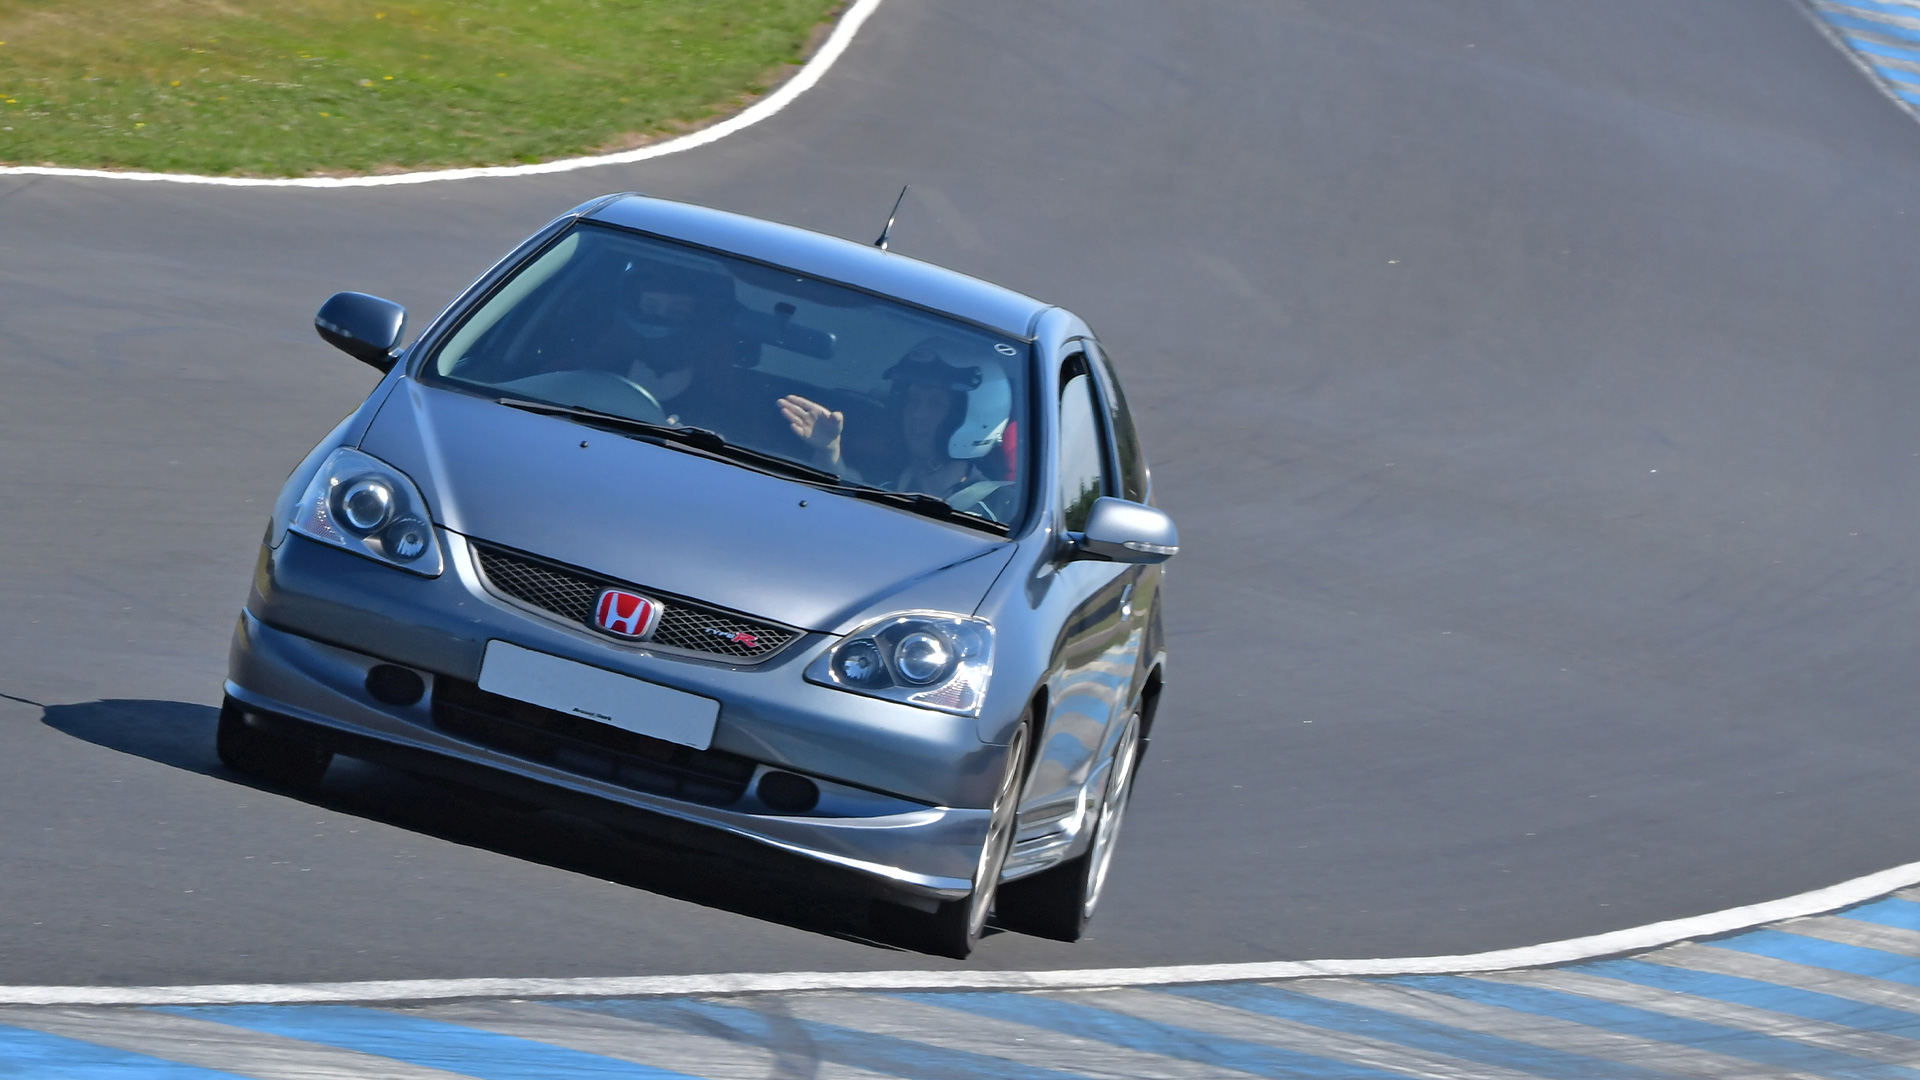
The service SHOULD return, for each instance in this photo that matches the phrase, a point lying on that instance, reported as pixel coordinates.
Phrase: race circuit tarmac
(1535, 387)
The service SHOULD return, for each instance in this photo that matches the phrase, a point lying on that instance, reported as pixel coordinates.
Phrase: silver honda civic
(740, 532)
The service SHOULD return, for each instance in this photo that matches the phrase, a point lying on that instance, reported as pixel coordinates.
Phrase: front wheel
(1059, 903)
(955, 928)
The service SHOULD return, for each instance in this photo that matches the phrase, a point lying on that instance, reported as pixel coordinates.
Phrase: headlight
(929, 659)
(358, 502)
(367, 504)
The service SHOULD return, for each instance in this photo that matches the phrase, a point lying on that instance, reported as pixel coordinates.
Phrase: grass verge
(302, 87)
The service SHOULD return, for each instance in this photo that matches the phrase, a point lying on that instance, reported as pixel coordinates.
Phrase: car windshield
(883, 396)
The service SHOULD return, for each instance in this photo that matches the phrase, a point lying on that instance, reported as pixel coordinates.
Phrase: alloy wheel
(1113, 811)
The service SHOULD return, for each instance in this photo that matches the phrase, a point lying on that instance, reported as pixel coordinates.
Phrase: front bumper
(895, 781)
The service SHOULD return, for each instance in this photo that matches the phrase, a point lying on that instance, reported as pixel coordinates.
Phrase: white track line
(1634, 939)
(801, 82)
(1839, 41)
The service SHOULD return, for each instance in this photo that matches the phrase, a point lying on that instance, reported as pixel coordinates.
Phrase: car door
(1092, 669)
(1141, 599)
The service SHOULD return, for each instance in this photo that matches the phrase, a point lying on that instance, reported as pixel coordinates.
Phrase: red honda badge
(629, 615)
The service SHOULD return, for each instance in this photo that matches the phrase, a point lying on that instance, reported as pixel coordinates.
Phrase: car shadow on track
(182, 735)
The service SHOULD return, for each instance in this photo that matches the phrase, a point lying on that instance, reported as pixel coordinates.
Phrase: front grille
(684, 625)
(587, 747)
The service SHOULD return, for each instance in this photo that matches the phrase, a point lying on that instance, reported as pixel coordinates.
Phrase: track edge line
(803, 80)
(1612, 943)
(1860, 63)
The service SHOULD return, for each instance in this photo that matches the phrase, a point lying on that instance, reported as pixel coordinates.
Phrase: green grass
(301, 87)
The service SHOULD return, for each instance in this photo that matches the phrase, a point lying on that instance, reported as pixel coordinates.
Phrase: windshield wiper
(710, 444)
(920, 502)
(691, 439)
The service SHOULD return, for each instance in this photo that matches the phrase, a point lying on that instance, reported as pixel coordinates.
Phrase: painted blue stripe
(816, 1041)
(1907, 11)
(1897, 74)
(1904, 914)
(1419, 1034)
(1909, 95)
(35, 1055)
(1826, 954)
(416, 1039)
(1809, 1004)
(1121, 1029)
(1891, 52)
(1659, 1027)
(1849, 22)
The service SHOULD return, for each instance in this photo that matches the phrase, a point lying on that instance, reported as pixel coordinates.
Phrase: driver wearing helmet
(676, 344)
(950, 417)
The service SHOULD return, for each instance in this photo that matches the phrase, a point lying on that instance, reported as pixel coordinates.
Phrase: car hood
(668, 520)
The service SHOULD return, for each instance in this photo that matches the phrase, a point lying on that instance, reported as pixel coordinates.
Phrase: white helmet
(989, 407)
(970, 367)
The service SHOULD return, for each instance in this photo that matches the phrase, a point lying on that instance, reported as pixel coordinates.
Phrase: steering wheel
(605, 391)
(650, 408)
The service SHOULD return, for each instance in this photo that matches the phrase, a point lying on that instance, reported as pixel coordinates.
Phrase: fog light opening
(395, 685)
(787, 793)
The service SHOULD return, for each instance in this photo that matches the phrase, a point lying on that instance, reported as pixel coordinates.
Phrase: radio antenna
(888, 231)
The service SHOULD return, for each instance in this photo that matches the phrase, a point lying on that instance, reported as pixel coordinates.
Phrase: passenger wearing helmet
(950, 416)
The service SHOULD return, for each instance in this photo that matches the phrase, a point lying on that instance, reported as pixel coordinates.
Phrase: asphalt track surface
(1534, 383)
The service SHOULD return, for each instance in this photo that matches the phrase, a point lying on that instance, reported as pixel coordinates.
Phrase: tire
(1059, 903)
(955, 927)
(279, 759)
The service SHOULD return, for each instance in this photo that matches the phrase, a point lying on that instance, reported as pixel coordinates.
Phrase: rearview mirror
(1129, 532)
(364, 327)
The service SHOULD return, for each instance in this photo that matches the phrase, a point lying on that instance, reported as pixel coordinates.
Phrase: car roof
(817, 254)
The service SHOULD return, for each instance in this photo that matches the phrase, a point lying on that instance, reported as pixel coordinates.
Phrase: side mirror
(364, 327)
(1129, 532)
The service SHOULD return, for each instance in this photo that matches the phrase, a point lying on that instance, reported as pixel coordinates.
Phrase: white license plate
(598, 694)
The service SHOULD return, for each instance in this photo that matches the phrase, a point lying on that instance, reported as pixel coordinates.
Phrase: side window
(1083, 457)
(1126, 441)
